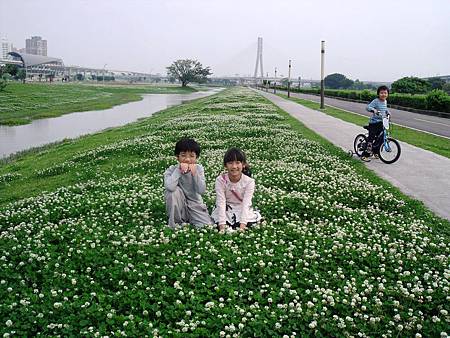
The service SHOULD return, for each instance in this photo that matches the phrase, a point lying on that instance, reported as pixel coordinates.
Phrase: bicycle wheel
(360, 144)
(390, 151)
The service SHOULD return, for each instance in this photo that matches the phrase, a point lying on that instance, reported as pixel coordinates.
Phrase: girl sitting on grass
(234, 193)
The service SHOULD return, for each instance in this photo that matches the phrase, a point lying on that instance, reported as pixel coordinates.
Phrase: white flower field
(339, 254)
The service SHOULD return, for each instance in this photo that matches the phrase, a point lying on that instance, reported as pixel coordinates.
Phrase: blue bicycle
(389, 148)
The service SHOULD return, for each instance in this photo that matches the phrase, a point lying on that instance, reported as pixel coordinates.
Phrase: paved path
(432, 124)
(418, 173)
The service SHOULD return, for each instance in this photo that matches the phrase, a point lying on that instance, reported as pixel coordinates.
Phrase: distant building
(36, 46)
(5, 48)
(18, 50)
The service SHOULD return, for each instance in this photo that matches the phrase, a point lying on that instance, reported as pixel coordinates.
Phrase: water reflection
(43, 131)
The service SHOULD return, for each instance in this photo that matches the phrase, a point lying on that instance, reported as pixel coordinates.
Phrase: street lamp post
(150, 75)
(322, 53)
(104, 72)
(289, 80)
(275, 82)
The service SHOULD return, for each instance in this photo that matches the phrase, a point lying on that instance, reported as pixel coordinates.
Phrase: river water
(43, 131)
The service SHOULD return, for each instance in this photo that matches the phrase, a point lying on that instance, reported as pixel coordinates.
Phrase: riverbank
(40, 132)
(93, 226)
(22, 103)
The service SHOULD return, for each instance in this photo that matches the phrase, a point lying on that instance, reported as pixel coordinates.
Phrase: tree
(188, 71)
(446, 87)
(436, 82)
(21, 74)
(411, 85)
(3, 82)
(10, 69)
(337, 81)
(358, 85)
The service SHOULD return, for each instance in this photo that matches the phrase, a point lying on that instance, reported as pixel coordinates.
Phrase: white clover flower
(313, 324)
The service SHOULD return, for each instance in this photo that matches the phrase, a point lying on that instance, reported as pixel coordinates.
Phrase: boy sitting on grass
(184, 184)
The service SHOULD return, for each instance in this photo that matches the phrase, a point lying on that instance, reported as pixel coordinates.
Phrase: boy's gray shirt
(379, 105)
(193, 186)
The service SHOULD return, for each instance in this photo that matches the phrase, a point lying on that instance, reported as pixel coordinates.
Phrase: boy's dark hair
(187, 144)
(236, 154)
(380, 88)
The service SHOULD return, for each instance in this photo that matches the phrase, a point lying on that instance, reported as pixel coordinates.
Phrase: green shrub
(328, 92)
(3, 83)
(367, 95)
(310, 90)
(438, 100)
(354, 95)
(446, 87)
(407, 100)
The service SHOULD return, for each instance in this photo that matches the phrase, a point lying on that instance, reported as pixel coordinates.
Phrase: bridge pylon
(259, 60)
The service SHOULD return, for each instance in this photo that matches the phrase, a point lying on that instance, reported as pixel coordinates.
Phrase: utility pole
(275, 82)
(289, 80)
(322, 54)
(104, 72)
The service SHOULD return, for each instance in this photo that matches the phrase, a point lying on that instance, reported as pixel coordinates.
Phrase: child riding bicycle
(379, 109)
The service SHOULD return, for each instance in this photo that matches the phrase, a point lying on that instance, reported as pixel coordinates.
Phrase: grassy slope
(436, 144)
(21, 103)
(37, 159)
(28, 164)
(122, 243)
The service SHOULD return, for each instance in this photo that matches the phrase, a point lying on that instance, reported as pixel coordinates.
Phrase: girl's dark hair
(187, 144)
(380, 88)
(236, 154)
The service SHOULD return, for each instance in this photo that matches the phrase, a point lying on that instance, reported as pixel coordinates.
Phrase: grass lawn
(21, 103)
(436, 144)
(86, 251)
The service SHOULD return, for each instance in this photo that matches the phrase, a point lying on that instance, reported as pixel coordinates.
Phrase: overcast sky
(365, 39)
